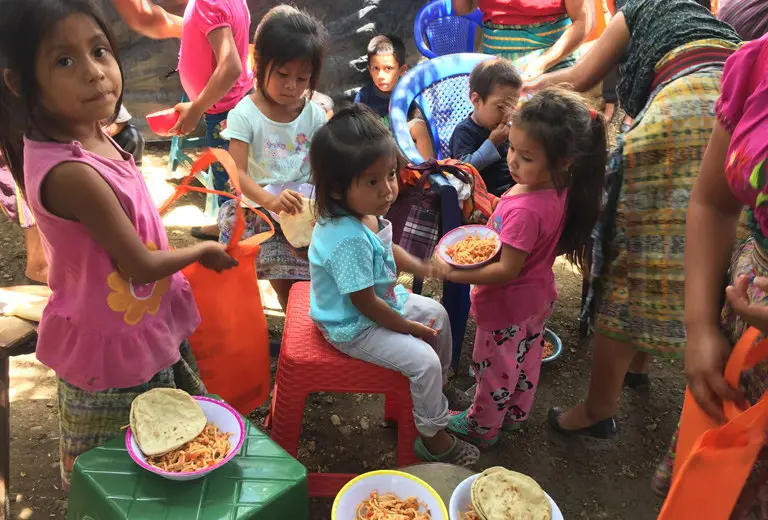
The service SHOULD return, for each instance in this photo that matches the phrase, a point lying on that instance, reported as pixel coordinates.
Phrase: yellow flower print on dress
(135, 300)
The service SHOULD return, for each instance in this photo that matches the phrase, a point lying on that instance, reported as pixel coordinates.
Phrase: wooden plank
(15, 332)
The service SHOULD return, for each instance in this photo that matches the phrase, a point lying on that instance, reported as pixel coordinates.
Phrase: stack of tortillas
(165, 419)
(500, 494)
(297, 227)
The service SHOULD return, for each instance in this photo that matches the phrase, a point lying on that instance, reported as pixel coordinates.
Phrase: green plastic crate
(261, 482)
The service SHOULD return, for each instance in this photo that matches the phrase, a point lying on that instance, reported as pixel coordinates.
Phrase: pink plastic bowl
(218, 413)
(161, 122)
(458, 234)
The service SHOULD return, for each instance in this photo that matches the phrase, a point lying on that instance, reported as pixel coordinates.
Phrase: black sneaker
(604, 429)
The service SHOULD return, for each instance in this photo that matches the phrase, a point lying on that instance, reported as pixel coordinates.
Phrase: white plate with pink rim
(460, 233)
(302, 188)
(219, 414)
(462, 498)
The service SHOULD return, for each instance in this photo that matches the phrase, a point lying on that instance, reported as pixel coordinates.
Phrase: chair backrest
(443, 31)
(440, 87)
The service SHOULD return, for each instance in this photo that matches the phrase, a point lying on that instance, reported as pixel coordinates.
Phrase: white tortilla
(297, 227)
(164, 419)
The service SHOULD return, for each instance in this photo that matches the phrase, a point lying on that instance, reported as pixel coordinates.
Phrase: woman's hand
(188, 119)
(215, 257)
(288, 201)
(533, 70)
(706, 353)
(756, 314)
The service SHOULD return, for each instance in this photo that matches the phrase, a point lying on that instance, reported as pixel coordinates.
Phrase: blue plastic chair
(440, 87)
(438, 31)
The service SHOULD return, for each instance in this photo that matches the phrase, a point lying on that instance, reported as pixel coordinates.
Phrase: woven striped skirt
(89, 419)
(525, 43)
(641, 296)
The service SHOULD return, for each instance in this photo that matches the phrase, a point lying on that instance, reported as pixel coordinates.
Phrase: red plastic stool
(309, 364)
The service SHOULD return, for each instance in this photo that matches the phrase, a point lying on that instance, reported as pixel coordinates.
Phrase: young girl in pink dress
(120, 310)
(557, 158)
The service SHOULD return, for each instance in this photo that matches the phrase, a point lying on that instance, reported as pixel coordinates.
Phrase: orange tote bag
(231, 344)
(713, 461)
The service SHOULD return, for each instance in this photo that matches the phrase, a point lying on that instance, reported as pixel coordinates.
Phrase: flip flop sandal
(459, 426)
(460, 454)
(197, 232)
(511, 426)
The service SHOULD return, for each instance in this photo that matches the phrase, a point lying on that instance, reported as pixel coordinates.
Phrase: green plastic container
(262, 482)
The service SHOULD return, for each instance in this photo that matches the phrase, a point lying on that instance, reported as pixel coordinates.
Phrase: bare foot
(438, 444)
(576, 418)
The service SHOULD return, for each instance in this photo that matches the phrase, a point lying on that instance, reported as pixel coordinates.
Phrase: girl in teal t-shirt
(355, 298)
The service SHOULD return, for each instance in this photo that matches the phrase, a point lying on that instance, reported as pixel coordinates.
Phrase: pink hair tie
(593, 113)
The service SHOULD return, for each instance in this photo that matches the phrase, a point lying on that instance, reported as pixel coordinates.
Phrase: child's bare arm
(408, 263)
(225, 75)
(75, 191)
(288, 201)
(463, 7)
(149, 19)
(506, 269)
(377, 310)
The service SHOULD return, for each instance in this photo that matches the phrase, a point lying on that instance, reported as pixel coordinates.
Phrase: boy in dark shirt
(386, 63)
(481, 139)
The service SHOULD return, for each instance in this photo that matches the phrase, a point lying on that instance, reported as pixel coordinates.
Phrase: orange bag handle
(744, 356)
(211, 156)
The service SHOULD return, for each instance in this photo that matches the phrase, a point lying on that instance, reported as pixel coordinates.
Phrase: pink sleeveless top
(101, 330)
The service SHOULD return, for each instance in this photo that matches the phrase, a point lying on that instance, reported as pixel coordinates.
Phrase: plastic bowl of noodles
(553, 347)
(218, 414)
(354, 499)
(469, 246)
(462, 498)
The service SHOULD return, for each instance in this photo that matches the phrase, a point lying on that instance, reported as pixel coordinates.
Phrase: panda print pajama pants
(507, 366)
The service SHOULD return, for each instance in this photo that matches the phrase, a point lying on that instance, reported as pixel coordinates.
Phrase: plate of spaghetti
(220, 440)
(469, 246)
(388, 495)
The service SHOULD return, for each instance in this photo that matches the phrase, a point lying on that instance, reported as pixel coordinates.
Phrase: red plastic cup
(161, 122)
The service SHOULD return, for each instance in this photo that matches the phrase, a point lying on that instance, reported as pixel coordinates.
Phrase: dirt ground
(597, 480)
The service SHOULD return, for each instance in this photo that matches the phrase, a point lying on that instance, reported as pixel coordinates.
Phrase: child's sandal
(460, 426)
(460, 454)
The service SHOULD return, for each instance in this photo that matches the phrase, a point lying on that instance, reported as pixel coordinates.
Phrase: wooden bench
(17, 337)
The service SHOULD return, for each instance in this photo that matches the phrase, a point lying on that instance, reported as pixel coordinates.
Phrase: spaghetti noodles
(389, 507)
(470, 514)
(205, 450)
(472, 249)
(548, 350)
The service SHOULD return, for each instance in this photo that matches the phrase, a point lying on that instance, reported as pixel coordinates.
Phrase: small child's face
(374, 191)
(527, 159)
(287, 83)
(496, 108)
(385, 71)
(77, 72)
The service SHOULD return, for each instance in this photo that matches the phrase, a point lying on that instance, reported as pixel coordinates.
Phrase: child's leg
(529, 361)
(495, 359)
(282, 290)
(421, 138)
(432, 314)
(425, 368)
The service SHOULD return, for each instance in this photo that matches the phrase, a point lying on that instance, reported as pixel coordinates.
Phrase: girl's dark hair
(570, 132)
(23, 26)
(341, 151)
(286, 34)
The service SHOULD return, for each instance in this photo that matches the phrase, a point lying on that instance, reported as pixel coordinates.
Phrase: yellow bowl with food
(469, 246)
(385, 494)
(182, 437)
(506, 494)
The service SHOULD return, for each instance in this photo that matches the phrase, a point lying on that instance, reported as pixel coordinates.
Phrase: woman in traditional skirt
(537, 36)
(670, 80)
(732, 177)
